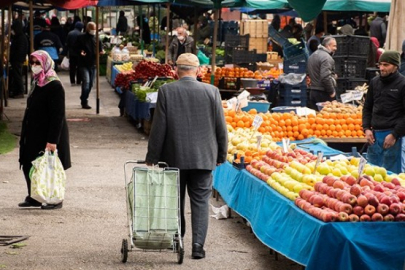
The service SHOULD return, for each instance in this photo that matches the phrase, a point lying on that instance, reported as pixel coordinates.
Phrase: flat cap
(188, 59)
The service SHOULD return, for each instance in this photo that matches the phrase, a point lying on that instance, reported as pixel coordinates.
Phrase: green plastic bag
(204, 60)
(48, 179)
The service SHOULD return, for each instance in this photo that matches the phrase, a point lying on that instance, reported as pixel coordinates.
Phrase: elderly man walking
(189, 132)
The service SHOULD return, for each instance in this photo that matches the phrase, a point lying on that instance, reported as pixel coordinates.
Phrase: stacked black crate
(350, 62)
(295, 62)
(235, 42)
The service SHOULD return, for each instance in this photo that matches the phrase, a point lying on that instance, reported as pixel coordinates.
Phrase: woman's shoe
(29, 202)
(52, 206)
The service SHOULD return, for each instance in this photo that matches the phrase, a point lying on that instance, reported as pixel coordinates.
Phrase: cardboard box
(255, 28)
(272, 56)
(260, 44)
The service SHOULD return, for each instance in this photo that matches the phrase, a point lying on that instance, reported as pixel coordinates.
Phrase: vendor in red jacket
(384, 115)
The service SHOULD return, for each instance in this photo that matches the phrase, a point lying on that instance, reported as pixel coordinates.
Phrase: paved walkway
(87, 232)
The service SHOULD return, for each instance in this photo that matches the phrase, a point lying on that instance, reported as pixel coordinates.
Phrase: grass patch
(7, 140)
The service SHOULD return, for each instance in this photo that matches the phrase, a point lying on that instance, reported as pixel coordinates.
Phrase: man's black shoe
(86, 106)
(52, 206)
(198, 251)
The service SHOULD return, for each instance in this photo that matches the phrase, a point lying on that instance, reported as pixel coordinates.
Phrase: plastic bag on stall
(65, 63)
(220, 212)
(292, 78)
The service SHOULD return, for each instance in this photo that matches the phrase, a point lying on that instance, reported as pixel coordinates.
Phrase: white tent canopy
(396, 31)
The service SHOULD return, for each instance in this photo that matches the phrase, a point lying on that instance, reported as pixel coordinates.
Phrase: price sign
(347, 97)
(231, 103)
(318, 160)
(259, 141)
(257, 121)
(362, 163)
(357, 95)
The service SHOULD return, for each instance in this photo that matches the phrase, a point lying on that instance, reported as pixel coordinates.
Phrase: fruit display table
(345, 144)
(136, 109)
(282, 226)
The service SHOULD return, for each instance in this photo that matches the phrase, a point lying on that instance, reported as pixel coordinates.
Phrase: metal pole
(31, 28)
(214, 45)
(9, 18)
(97, 64)
(141, 41)
(167, 31)
(2, 92)
(195, 28)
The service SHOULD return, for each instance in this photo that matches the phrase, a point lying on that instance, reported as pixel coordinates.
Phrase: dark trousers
(87, 75)
(26, 170)
(199, 188)
(74, 73)
(16, 79)
(316, 96)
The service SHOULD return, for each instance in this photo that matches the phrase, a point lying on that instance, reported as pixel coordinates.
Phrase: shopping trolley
(153, 209)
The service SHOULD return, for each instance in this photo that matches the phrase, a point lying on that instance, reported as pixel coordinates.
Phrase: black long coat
(45, 121)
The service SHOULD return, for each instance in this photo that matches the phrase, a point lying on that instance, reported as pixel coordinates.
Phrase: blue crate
(259, 106)
(294, 67)
(289, 52)
(293, 101)
(284, 109)
(277, 37)
(296, 91)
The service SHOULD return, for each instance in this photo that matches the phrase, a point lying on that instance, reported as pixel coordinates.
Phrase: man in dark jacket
(181, 43)
(86, 48)
(189, 132)
(18, 54)
(384, 115)
(321, 70)
(122, 25)
(49, 42)
(73, 54)
(378, 28)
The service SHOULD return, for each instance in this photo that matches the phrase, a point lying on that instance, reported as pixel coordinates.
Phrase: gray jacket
(174, 46)
(188, 129)
(321, 70)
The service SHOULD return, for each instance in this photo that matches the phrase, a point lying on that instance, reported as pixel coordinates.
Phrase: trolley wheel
(124, 251)
(180, 255)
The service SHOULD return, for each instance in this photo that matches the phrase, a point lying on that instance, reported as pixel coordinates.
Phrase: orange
(311, 120)
(354, 133)
(300, 137)
(304, 132)
(320, 121)
(360, 133)
(289, 128)
(317, 133)
(329, 132)
(231, 113)
(228, 119)
(325, 126)
(281, 122)
(338, 127)
(332, 127)
(240, 123)
(323, 132)
(252, 111)
(335, 134)
(351, 127)
(295, 128)
(302, 127)
(319, 127)
(296, 134)
(262, 130)
(294, 121)
(344, 127)
(288, 122)
(247, 124)
(233, 124)
(348, 133)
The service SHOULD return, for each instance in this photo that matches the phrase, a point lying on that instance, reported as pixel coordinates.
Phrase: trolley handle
(161, 164)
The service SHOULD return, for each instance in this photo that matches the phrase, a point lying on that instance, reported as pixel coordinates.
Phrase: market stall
(282, 226)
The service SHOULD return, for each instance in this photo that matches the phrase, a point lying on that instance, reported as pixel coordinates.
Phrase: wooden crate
(272, 56)
(255, 28)
(260, 44)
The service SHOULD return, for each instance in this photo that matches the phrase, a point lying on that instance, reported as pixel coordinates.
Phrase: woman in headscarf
(44, 125)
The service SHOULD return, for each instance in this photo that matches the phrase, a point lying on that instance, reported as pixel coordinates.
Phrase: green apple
(380, 170)
(298, 187)
(378, 177)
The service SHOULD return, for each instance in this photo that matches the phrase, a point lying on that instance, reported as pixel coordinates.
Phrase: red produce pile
(143, 71)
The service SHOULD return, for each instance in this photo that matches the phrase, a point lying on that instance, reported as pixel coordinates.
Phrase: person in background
(383, 115)
(39, 23)
(122, 25)
(189, 132)
(181, 43)
(86, 49)
(49, 42)
(321, 70)
(204, 30)
(57, 29)
(145, 28)
(18, 53)
(346, 29)
(73, 54)
(319, 32)
(290, 25)
(378, 28)
(44, 125)
(153, 23)
(402, 68)
(298, 32)
(308, 30)
(75, 20)
(376, 46)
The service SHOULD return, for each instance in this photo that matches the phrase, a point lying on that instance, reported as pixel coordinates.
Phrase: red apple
(351, 180)
(385, 200)
(372, 199)
(401, 196)
(349, 198)
(358, 210)
(329, 180)
(340, 193)
(388, 185)
(362, 201)
(383, 209)
(354, 218)
(379, 188)
(365, 218)
(343, 216)
(377, 217)
(305, 194)
(395, 181)
(355, 190)
(389, 217)
(394, 198)
(400, 217)
(317, 200)
(395, 209)
(328, 216)
(369, 210)
(339, 184)
(365, 189)
(346, 208)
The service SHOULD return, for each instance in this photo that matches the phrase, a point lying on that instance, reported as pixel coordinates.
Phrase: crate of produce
(259, 44)
(229, 83)
(290, 66)
(345, 84)
(284, 109)
(292, 51)
(237, 40)
(277, 37)
(292, 101)
(350, 67)
(357, 46)
(255, 28)
(243, 56)
(259, 106)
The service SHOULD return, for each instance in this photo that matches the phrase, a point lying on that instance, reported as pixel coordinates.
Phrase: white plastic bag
(48, 179)
(220, 212)
(65, 63)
